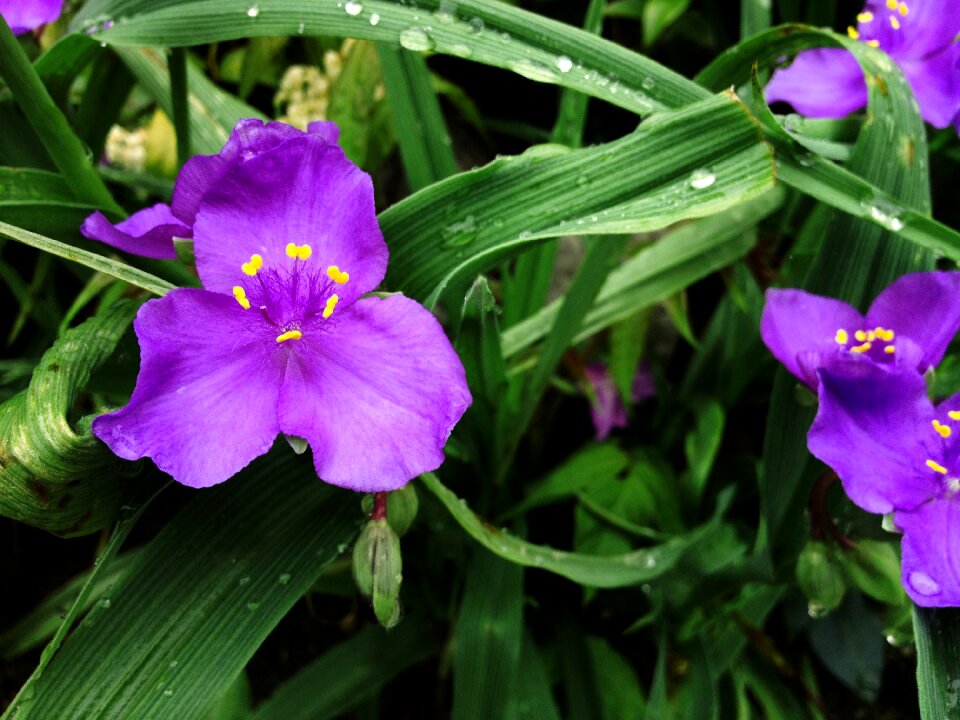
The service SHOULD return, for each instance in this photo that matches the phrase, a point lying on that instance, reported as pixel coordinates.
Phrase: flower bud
(402, 506)
(820, 578)
(377, 567)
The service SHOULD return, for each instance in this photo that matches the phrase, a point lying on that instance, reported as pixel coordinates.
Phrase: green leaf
(487, 637)
(937, 632)
(702, 443)
(532, 698)
(237, 558)
(40, 201)
(658, 15)
(54, 475)
(874, 567)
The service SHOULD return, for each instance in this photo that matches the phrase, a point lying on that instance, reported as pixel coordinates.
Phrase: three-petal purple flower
(25, 15)
(909, 325)
(919, 35)
(280, 340)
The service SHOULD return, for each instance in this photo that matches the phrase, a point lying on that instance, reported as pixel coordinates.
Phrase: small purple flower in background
(25, 15)
(919, 35)
(896, 452)
(909, 325)
(606, 405)
(280, 340)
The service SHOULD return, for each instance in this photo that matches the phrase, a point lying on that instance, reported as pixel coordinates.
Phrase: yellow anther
(852, 32)
(289, 335)
(873, 43)
(954, 414)
(884, 334)
(337, 275)
(944, 430)
(860, 335)
(865, 17)
(842, 337)
(894, 23)
(936, 467)
(871, 336)
(241, 295)
(331, 304)
(861, 348)
(890, 349)
(299, 251)
(892, 4)
(250, 268)
(902, 8)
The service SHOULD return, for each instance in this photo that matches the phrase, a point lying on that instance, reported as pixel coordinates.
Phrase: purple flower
(150, 232)
(896, 452)
(909, 325)
(26, 15)
(280, 340)
(606, 405)
(918, 35)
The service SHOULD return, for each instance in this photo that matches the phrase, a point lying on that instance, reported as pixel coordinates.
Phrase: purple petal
(304, 192)
(795, 322)
(148, 233)
(874, 429)
(606, 406)
(377, 396)
(936, 85)
(825, 82)
(924, 307)
(931, 552)
(205, 403)
(928, 27)
(249, 138)
(25, 15)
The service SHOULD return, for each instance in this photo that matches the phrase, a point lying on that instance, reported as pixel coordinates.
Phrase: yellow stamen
(884, 334)
(936, 467)
(860, 335)
(871, 336)
(890, 349)
(852, 32)
(873, 43)
(861, 348)
(902, 8)
(954, 414)
(944, 430)
(241, 295)
(299, 251)
(331, 304)
(892, 4)
(842, 337)
(250, 268)
(865, 17)
(894, 23)
(289, 335)
(337, 275)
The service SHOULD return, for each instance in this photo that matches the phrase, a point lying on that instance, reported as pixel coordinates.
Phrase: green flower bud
(402, 506)
(820, 577)
(377, 570)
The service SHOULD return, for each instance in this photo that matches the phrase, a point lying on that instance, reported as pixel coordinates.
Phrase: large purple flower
(896, 452)
(919, 35)
(280, 340)
(26, 15)
(909, 325)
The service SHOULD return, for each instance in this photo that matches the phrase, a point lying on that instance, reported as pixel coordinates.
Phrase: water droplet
(168, 693)
(650, 563)
(648, 83)
(253, 606)
(583, 181)
(461, 232)
(375, 19)
(475, 25)
(524, 235)
(301, 28)
(244, 580)
(284, 578)
(174, 663)
(416, 39)
(564, 64)
(104, 603)
(816, 610)
(353, 8)
(252, 11)
(923, 584)
(702, 178)
(532, 70)
(341, 548)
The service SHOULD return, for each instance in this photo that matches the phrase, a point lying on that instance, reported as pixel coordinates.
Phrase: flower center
(866, 19)
(866, 340)
(951, 481)
(290, 295)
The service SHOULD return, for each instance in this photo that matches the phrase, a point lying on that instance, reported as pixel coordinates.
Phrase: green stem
(65, 149)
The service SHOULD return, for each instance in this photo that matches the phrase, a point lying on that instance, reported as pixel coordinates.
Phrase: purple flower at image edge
(607, 410)
(280, 340)
(919, 35)
(909, 325)
(25, 15)
(894, 451)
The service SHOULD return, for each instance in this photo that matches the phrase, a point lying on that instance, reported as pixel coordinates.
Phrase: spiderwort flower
(919, 35)
(606, 404)
(896, 452)
(909, 325)
(280, 340)
(25, 15)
